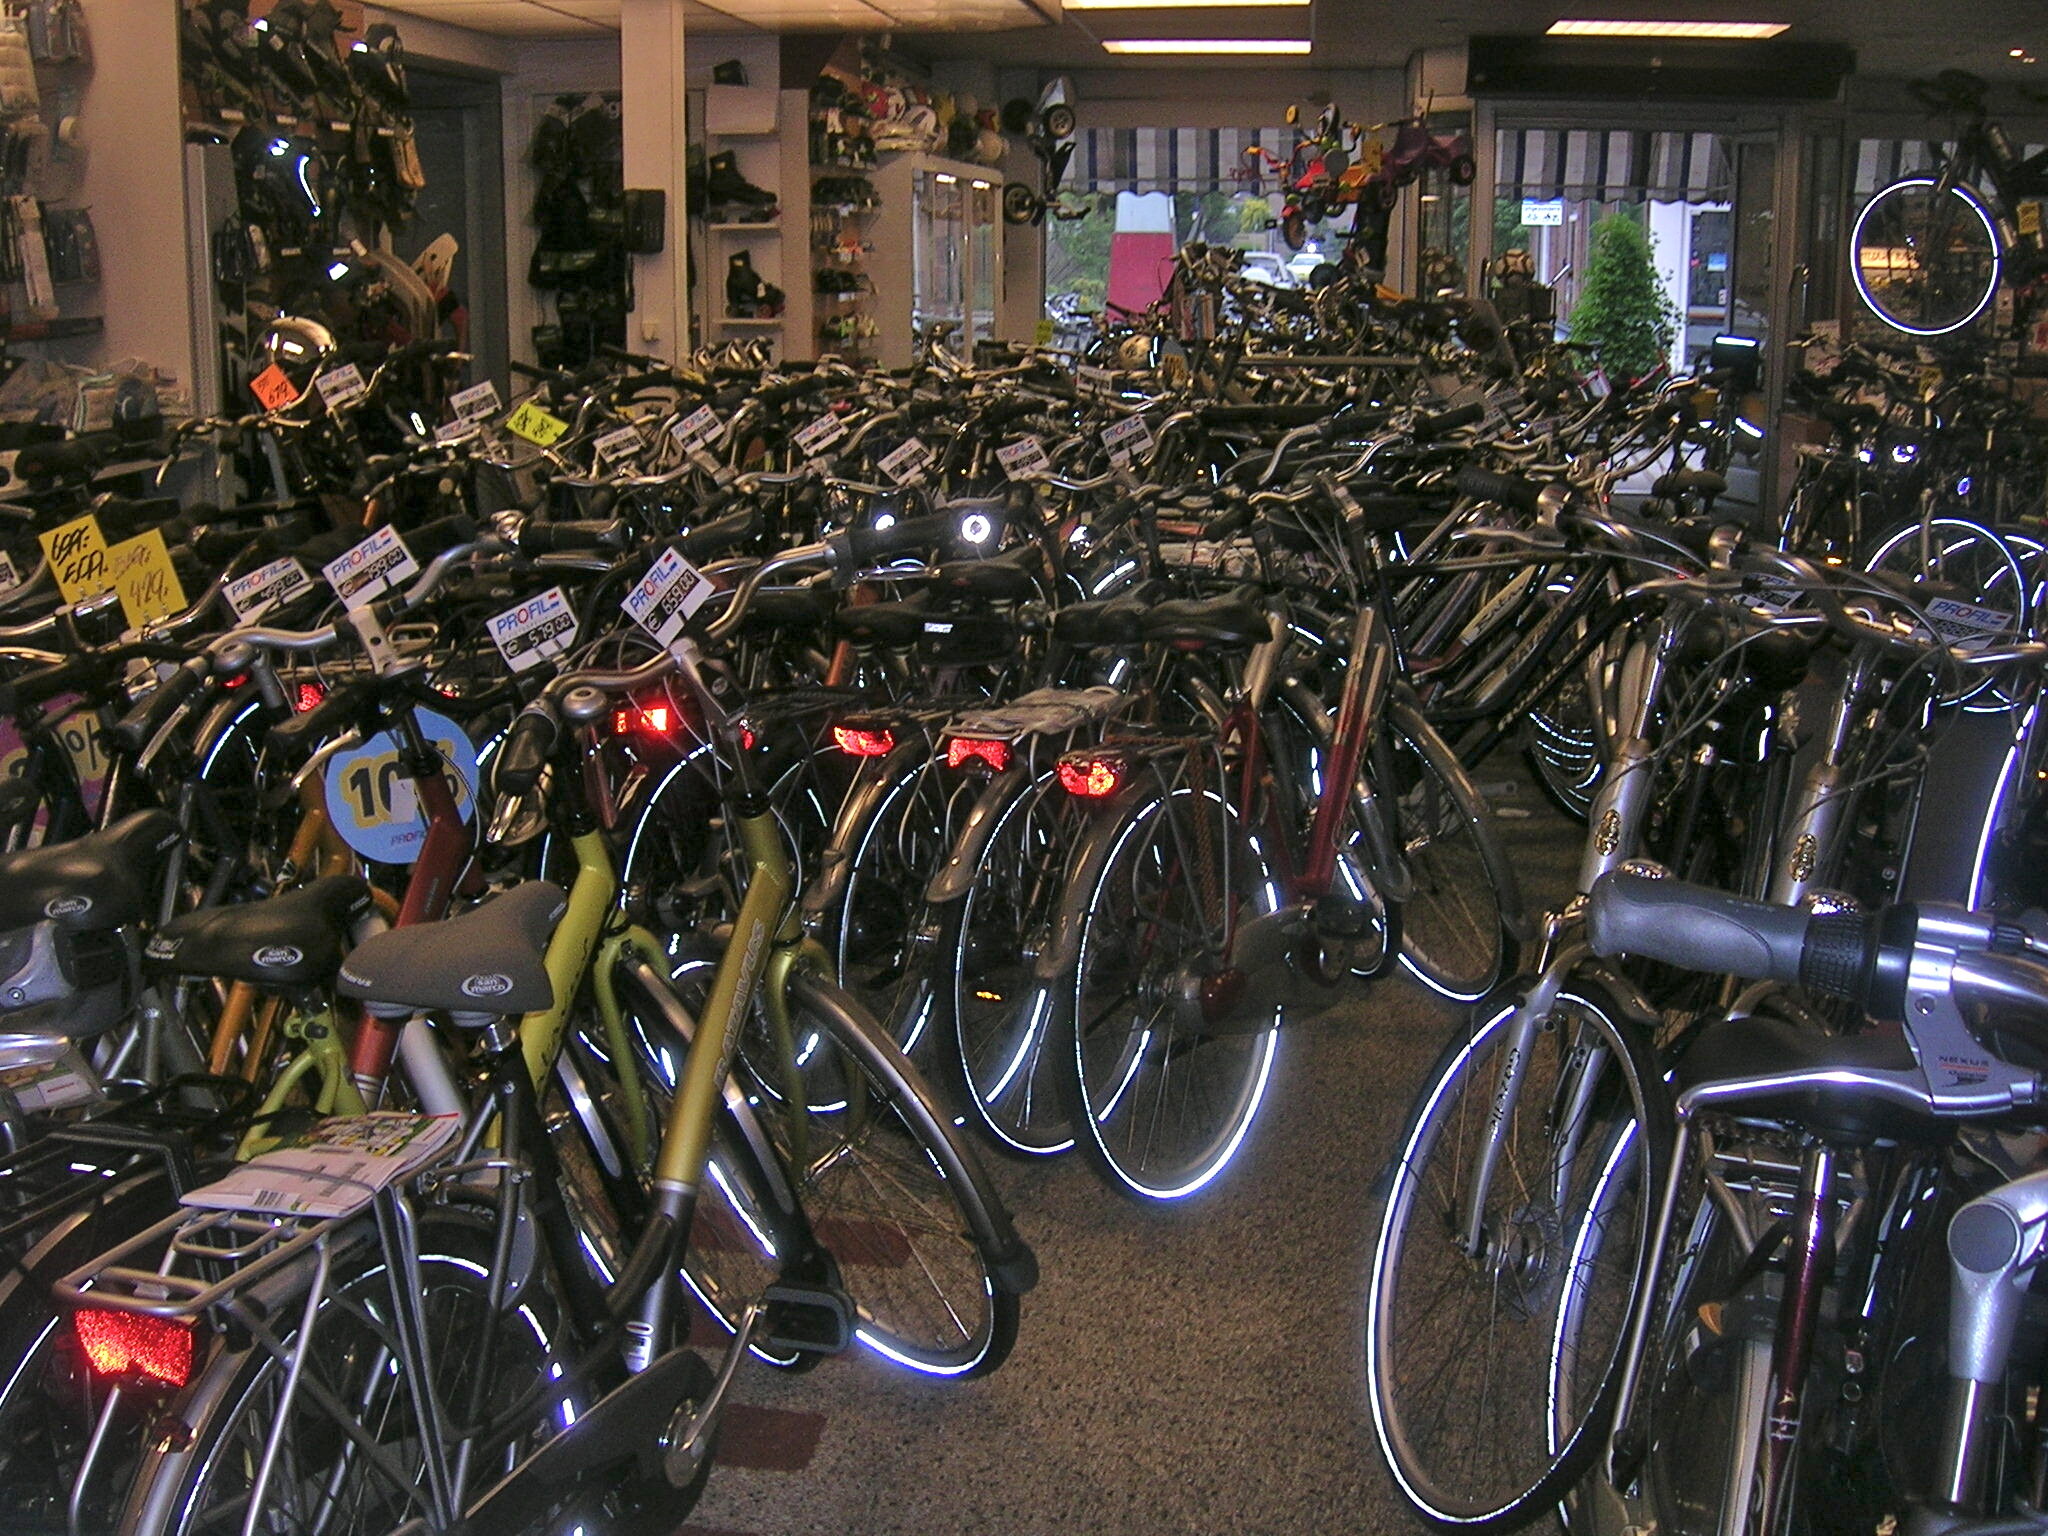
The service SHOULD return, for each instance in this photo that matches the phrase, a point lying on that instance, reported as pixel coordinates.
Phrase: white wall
(133, 180)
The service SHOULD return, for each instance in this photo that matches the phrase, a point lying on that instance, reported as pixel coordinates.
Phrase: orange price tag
(273, 388)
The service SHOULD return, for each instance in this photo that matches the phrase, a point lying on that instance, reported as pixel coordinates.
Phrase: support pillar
(652, 119)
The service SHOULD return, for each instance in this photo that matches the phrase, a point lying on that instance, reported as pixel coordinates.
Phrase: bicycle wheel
(1165, 1061)
(1455, 938)
(1482, 1421)
(1006, 1056)
(842, 1147)
(894, 853)
(323, 1479)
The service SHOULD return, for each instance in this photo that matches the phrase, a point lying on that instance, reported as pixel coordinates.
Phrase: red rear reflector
(747, 738)
(310, 694)
(962, 750)
(1092, 778)
(129, 1344)
(858, 742)
(654, 719)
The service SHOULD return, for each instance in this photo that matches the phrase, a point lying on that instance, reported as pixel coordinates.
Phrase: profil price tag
(538, 628)
(380, 562)
(255, 594)
(666, 597)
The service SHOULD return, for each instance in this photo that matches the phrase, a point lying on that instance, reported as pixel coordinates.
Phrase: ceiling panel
(518, 18)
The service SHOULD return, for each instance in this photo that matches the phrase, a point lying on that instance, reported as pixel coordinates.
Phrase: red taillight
(310, 695)
(862, 741)
(650, 719)
(747, 738)
(1092, 778)
(962, 750)
(133, 1346)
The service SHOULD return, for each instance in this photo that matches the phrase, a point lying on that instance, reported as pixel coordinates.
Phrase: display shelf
(773, 225)
(750, 321)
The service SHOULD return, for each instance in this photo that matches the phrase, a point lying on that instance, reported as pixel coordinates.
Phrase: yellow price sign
(2030, 217)
(78, 558)
(145, 580)
(535, 425)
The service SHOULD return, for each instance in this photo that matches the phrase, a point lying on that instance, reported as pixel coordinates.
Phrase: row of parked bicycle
(644, 863)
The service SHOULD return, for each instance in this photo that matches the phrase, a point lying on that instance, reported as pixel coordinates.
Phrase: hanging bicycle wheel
(1925, 257)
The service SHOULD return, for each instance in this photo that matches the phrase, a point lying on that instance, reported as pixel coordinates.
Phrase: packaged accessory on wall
(17, 68)
(646, 220)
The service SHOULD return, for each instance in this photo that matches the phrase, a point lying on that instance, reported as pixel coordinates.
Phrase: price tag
(371, 802)
(538, 628)
(10, 578)
(381, 561)
(448, 431)
(906, 464)
(1127, 439)
(145, 580)
(77, 553)
(819, 435)
(695, 429)
(535, 425)
(2029, 216)
(273, 389)
(341, 385)
(623, 443)
(255, 594)
(1966, 626)
(666, 597)
(1024, 457)
(1099, 381)
(475, 402)
(1771, 594)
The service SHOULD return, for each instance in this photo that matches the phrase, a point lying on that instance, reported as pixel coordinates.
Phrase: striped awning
(1613, 166)
(1173, 159)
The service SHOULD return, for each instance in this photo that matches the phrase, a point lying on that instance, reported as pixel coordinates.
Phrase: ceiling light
(1723, 30)
(2016, 53)
(1176, 5)
(1206, 45)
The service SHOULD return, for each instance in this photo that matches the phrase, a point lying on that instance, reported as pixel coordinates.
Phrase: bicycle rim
(1454, 937)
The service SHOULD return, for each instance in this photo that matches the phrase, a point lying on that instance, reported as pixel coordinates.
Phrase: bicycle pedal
(811, 1319)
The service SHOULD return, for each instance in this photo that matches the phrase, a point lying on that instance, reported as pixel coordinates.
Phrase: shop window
(1553, 185)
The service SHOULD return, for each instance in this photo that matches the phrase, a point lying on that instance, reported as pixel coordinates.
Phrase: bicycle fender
(956, 875)
(1403, 706)
(835, 865)
(1063, 951)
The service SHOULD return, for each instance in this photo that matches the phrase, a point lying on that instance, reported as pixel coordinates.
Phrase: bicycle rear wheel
(324, 1480)
(1482, 1419)
(1166, 1058)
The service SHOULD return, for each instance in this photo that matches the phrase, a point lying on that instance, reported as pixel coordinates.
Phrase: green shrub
(1623, 313)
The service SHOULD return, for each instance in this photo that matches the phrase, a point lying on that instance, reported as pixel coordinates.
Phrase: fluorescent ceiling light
(1714, 29)
(1206, 45)
(1174, 5)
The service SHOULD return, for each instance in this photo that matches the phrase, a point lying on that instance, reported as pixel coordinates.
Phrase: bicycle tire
(1004, 1054)
(899, 845)
(1148, 934)
(913, 1272)
(1457, 936)
(1459, 1405)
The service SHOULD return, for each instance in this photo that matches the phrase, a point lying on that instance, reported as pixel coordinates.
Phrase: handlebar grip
(537, 538)
(864, 546)
(1509, 490)
(1695, 927)
(133, 730)
(429, 539)
(1425, 427)
(527, 745)
(917, 411)
(711, 539)
(295, 739)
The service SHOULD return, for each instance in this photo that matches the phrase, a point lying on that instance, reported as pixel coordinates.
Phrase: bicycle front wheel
(1484, 1253)
(1455, 938)
(891, 1190)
